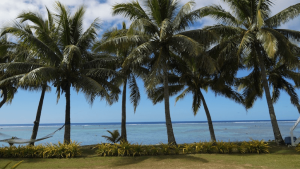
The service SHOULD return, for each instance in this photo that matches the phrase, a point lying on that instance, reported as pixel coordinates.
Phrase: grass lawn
(279, 157)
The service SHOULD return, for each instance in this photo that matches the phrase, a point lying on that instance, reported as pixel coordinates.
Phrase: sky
(24, 106)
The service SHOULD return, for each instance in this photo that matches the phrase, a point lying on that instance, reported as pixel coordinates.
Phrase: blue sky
(24, 106)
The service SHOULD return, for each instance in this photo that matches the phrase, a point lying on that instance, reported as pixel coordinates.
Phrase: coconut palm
(114, 136)
(30, 57)
(278, 80)
(8, 52)
(121, 51)
(67, 58)
(197, 77)
(280, 77)
(163, 23)
(250, 31)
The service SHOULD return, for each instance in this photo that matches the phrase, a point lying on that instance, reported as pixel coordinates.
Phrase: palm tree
(125, 75)
(251, 31)
(29, 57)
(114, 136)
(196, 76)
(163, 23)
(69, 61)
(8, 53)
(279, 79)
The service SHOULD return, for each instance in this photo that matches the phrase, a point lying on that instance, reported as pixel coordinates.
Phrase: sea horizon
(149, 122)
(150, 133)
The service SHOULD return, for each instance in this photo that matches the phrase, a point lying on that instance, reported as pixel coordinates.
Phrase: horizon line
(147, 122)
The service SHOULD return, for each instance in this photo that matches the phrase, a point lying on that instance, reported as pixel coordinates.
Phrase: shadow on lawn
(138, 159)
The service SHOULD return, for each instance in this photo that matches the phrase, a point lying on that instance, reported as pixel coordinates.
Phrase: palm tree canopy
(63, 46)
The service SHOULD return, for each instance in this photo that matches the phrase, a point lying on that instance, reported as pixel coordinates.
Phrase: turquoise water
(155, 132)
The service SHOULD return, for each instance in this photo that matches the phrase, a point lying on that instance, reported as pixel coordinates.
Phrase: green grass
(279, 157)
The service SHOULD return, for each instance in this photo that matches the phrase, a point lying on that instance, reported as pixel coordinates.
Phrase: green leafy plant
(254, 146)
(224, 147)
(113, 151)
(125, 148)
(103, 149)
(187, 149)
(147, 150)
(165, 148)
(155, 150)
(137, 149)
(208, 147)
(298, 148)
(176, 148)
(114, 136)
(14, 166)
(61, 150)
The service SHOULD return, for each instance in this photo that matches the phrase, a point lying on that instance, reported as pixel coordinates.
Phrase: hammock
(16, 140)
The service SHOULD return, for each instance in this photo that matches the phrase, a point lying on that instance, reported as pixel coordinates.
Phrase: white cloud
(9, 10)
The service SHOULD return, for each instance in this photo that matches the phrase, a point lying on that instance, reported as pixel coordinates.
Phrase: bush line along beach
(161, 48)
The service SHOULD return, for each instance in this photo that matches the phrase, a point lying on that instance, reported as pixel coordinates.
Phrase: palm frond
(182, 95)
(196, 104)
(184, 17)
(134, 92)
(181, 43)
(131, 10)
(283, 16)
(268, 41)
(39, 76)
(72, 55)
(91, 88)
(139, 53)
(219, 14)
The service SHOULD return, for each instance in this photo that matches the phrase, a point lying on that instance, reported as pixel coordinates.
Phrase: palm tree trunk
(209, 121)
(4, 95)
(67, 135)
(38, 116)
(123, 125)
(171, 137)
(277, 134)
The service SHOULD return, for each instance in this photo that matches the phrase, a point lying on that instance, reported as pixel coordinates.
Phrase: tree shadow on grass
(25, 160)
(122, 161)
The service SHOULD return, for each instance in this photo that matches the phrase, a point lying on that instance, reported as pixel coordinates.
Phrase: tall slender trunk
(38, 115)
(277, 134)
(4, 95)
(171, 137)
(67, 136)
(209, 121)
(123, 125)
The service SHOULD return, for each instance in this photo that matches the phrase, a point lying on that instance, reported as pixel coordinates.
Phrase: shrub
(176, 148)
(147, 150)
(225, 147)
(103, 149)
(188, 148)
(41, 151)
(165, 148)
(127, 149)
(137, 149)
(208, 147)
(124, 148)
(254, 146)
(155, 150)
(298, 148)
(61, 150)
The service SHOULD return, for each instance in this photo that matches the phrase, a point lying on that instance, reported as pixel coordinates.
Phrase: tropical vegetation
(161, 48)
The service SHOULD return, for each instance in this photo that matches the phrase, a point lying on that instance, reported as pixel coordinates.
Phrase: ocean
(154, 132)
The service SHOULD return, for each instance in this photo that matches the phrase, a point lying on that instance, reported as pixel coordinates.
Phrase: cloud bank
(102, 9)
